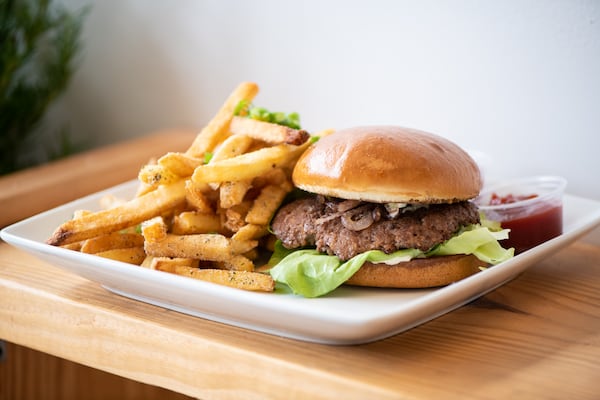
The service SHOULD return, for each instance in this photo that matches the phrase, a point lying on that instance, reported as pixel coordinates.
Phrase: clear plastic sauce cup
(530, 207)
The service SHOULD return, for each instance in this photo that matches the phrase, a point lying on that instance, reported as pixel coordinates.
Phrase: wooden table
(536, 337)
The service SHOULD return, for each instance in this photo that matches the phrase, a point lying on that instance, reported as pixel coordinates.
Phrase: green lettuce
(312, 274)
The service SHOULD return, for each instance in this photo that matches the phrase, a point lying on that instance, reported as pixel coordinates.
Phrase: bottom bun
(417, 273)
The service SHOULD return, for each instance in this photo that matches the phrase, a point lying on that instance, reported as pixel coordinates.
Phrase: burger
(383, 206)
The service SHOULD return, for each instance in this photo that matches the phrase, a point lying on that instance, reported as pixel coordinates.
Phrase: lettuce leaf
(479, 241)
(312, 274)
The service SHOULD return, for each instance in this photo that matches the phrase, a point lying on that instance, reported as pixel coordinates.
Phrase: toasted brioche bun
(387, 164)
(417, 273)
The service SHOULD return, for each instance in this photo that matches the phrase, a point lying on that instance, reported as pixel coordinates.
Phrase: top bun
(388, 164)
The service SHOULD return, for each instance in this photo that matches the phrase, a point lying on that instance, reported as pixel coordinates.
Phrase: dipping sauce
(528, 231)
(531, 208)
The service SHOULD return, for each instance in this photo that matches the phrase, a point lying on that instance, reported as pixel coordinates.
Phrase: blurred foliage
(39, 42)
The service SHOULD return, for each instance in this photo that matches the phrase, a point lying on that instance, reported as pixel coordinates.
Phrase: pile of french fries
(203, 213)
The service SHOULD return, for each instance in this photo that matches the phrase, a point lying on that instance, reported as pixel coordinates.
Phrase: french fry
(276, 176)
(114, 240)
(233, 193)
(194, 194)
(252, 255)
(234, 217)
(267, 131)
(73, 246)
(190, 222)
(130, 255)
(242, 246)
(265, 205)
(154, 229)
(245, 280)
(218, 128)
(250, 232)
(181, 164)
(133, 212)
(231, 147)
(155, 174)
(203, 246)
(143, 188)
(237, 263)
(147, 263)
(247, 165)
(168, 264)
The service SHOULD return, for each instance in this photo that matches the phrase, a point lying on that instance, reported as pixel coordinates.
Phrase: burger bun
(418, 272)
(388, 164)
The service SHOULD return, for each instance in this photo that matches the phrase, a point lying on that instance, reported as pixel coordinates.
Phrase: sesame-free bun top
(388, 164)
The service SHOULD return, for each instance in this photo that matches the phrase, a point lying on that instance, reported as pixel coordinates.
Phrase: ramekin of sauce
(530, 207)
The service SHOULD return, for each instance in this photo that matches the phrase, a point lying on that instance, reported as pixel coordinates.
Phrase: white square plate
(349, 315)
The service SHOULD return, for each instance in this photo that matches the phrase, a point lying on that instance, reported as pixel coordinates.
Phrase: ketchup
(528, 229)
(496, 200)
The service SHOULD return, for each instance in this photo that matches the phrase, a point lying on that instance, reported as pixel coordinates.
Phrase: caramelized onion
(358, 219)
(339, 210)
(353, 215)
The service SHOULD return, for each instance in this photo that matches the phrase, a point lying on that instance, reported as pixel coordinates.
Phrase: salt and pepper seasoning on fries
(203, 213)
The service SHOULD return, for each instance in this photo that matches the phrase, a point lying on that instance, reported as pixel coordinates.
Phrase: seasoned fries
(154, 229)
(168, 264)
(231, 147)
(136, 211)
(248, 165)
(267, 132)
(203, 213)
(114, 240)
(265, 205)
(155, 174)
(218, 128)
(179, 163)
(238, 279)
(200, 246)
(233, 192)
(131, 255)
(190, 222)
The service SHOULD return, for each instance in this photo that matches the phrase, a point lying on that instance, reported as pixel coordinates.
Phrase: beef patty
(346, 227)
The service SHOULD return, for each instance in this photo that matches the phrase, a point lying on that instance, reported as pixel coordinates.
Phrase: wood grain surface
(30, 374)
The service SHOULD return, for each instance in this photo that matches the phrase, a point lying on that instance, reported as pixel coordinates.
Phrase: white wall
(517, 80)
